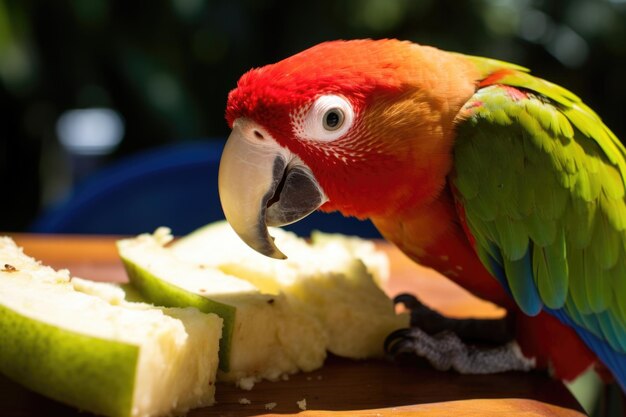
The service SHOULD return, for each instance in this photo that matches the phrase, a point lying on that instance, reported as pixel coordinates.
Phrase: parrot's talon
(394, 342)
(409, 300)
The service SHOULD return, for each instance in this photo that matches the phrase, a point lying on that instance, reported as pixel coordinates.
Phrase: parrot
(506, 183)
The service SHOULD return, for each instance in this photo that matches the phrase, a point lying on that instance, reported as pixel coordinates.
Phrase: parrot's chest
(454, 258)
(432, 236)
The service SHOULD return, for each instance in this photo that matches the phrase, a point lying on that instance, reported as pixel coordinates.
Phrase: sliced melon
(217, 245)
(99, 353)
(335, 278)
(263, 336)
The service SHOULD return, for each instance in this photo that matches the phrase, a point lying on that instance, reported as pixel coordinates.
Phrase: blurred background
(84, 84)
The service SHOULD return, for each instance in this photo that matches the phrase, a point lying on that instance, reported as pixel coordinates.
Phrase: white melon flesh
(219, 246)
(263, 335)
(98, 353)
(335, 279)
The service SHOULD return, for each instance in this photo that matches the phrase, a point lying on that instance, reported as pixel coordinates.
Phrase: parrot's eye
(333, 119)
(327, 119)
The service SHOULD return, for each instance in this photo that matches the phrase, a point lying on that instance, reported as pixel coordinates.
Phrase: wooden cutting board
(342, 387)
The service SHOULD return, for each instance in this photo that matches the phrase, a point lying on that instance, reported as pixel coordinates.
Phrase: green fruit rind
(60, 364)
(162, 293)
(92, 350)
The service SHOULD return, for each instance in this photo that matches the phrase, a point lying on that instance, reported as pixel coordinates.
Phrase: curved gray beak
(262, 184)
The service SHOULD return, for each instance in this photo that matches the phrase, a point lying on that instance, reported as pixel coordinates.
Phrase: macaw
(504, 182)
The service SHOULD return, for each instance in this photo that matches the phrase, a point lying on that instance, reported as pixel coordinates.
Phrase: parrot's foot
(446, 351)
(446, 343)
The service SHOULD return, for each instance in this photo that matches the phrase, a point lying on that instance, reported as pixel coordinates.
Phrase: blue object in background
(174, 186)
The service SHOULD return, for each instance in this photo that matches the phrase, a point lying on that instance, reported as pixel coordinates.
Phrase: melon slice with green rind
(263, 336)
(121, 360)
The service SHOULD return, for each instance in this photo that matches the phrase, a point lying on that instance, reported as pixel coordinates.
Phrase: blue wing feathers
(601, 324)
(522, 284)
(518, 273)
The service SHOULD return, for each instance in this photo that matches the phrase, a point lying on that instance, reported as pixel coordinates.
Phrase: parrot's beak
(262, 184)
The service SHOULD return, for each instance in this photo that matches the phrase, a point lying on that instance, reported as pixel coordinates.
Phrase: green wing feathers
(542, 183)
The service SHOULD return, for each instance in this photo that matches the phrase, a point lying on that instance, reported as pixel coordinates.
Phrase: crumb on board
(319, 377)
(302, 404)
(244, 401)
(246, 383)
(270, 406)
(309, 378)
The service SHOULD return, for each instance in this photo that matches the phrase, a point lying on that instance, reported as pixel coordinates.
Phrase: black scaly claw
(396, 341)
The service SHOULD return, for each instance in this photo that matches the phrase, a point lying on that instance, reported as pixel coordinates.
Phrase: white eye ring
(329, 118)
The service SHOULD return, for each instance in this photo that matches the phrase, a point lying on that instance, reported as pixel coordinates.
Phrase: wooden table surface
(342, 387)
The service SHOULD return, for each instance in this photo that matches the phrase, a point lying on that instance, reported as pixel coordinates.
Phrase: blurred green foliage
(167, 65)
